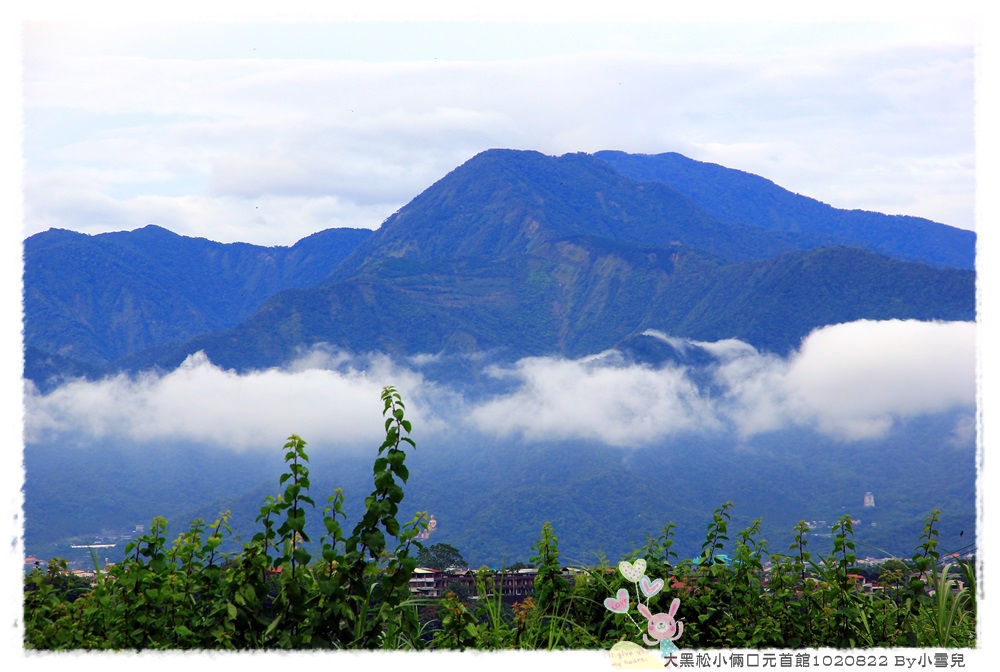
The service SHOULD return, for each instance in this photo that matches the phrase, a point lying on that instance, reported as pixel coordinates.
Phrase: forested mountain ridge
(513, 250)
(583, 298)
(749, 199)
(505, 203)
(89, 300)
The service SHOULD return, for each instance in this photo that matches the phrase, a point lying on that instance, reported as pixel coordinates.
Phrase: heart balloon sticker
(619, 604)
(632, 571)
(650, 588)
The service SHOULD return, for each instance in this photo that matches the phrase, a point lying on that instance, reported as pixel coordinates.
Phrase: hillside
(580, 297)
(504, 204)
(512, 251)
(745, 198)
(89, 300)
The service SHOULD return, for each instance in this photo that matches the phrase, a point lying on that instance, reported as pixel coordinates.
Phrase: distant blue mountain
(90, 300)
(748, 199)
(513, 251)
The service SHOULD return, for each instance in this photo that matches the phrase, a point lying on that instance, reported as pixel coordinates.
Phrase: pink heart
(650, 588)
(620, 605)
(632, 571)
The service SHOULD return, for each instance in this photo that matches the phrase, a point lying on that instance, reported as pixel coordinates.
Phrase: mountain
(514, 251)
(529, 254)
(505, 204)
(748, 199)
(580, 297)
(89, 300)
(512, 254)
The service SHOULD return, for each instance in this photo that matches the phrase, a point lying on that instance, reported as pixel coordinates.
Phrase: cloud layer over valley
(849, 382)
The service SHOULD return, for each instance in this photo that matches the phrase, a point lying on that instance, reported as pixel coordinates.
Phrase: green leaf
(375, 540)
(391, 526)
(274, 624)
(402, 472)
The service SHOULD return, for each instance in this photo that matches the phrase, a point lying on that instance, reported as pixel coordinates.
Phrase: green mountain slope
(744, 198)
(773, 304)
(94, 299)
(505, 203)
(580, 296)
(512, 251)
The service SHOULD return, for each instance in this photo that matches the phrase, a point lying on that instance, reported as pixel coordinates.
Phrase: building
(426, 582)
(513, 584)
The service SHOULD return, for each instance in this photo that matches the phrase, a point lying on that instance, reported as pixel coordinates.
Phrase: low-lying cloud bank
(849, 381)
(325, 397)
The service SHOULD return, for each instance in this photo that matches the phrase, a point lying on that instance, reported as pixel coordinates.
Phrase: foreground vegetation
(274, 594)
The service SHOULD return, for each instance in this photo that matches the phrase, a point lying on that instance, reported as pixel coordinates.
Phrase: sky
(268, 132)
(246, 124)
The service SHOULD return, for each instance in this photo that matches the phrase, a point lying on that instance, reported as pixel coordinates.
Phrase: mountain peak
(505, 203)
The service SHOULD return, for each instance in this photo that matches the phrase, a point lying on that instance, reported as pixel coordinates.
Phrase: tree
(440, 556)
(462, 591)
(550, 586)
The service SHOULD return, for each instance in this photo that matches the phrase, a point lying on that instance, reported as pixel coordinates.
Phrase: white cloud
(614, 404)
(885, 125)
(265, 219)
(724, 350)
(849, 381)
(852, 381)
(964, 433)
(322, 397)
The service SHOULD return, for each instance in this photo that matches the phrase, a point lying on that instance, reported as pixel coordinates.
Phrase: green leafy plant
(269, 595)
(274, 594)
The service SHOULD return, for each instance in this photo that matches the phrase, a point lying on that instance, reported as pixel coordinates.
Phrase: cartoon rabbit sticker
(663, 627)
